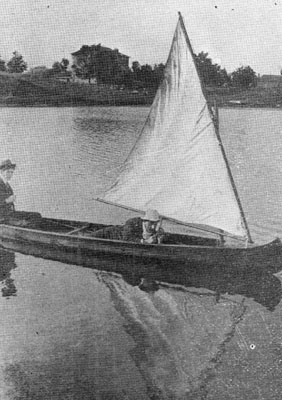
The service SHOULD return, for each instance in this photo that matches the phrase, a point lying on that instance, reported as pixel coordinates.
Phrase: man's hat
(7, 164)
(151, 215)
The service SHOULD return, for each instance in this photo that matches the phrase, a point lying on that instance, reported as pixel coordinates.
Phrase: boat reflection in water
(255, 282)
(264, 288)
(7, 263)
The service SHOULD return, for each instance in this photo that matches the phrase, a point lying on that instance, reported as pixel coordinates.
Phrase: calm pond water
(69, 332)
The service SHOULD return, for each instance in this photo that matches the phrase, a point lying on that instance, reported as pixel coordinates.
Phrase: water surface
(69, 332)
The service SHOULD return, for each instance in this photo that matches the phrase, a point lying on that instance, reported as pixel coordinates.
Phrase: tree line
(15, 65)
(105, 68)
(213, 75)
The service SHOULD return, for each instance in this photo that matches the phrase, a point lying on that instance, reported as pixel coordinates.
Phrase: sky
(235, 33)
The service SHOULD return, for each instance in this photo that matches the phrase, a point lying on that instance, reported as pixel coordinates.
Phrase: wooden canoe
(71, 242)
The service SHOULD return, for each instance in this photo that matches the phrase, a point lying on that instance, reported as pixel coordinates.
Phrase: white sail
(177, 165)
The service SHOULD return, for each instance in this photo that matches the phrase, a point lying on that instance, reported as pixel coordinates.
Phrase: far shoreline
(30, 91)
(220, 105)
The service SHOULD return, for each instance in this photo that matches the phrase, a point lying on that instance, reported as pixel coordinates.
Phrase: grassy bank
(34, 91)
(28, 90)
(255, 97)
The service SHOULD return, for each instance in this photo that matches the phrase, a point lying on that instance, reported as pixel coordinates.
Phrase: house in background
(270, 82)
(94, 52)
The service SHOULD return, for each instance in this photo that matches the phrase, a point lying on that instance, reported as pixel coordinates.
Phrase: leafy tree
(124, 78)
(146, 75)
(16, 63)
(64, 64)
(84, 70)
(56, 67)
(210, 73)
(158, 73)
(224, 78)
(128, 78)
(244, 77)
(146, 72)
(85, 67)
(136, 67)
(2, 65)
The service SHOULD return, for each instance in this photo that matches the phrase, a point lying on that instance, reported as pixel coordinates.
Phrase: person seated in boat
(8, 214)
(7, 197)
(146, 229)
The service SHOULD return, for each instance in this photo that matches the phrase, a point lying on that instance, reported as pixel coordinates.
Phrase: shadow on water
(97, 125)
(256, 282)
(7, 263)
(265, 289)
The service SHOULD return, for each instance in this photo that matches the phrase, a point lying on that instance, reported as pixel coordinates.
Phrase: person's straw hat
(151, 215)
(7, 164)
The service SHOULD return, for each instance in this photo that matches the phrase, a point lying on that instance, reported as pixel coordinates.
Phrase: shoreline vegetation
(24, 90)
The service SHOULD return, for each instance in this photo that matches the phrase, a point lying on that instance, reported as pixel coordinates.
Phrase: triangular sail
(177, 165)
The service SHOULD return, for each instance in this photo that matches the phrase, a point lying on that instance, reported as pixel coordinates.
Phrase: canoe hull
(187, 265)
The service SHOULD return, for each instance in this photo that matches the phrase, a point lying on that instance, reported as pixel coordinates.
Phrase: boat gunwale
(139, 245)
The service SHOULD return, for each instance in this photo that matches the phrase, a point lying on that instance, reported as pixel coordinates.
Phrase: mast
(216, 125)
(215, 120)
